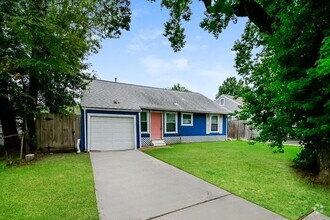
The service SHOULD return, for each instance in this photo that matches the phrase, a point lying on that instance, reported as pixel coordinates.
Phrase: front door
(156, 125)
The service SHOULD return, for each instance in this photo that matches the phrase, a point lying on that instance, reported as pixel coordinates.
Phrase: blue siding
(84, 140)
(224, 125)
(82, 131)
(145, 135)
(198, 128)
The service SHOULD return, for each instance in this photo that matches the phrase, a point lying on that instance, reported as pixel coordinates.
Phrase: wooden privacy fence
(57, 132)
(238, 129)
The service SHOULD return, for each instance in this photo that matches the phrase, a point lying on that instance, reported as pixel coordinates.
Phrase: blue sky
(143, 55)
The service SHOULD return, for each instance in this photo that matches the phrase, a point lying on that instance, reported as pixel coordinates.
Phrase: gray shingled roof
(113, 95)
(236, 99)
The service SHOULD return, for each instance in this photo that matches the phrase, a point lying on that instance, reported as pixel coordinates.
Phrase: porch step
(157, 143)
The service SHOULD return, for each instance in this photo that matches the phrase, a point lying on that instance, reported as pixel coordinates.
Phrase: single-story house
(118, 116)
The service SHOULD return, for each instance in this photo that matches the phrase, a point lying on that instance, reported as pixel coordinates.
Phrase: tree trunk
(323, 157)
(8, 122)
(31, 144)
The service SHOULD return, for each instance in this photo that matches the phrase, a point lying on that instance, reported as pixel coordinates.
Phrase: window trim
(218, 119)
(148, 123)
(176, 123)
(192, 119)
(223, 101)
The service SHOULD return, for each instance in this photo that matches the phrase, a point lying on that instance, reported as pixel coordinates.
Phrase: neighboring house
(230, 103)
(237, 129)
(117, 116)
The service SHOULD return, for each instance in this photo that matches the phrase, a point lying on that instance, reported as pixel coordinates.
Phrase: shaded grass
(59, 186)
(2, 165)
(253, 172)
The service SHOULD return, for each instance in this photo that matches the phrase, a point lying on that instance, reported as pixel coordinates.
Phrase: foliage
(57, 186)
(307, 159)
(218, 17)
(290, 78)
(11, 161)
(44, 49)
(179, 10)
(49, 41)
(251, 172)
(178, 87)
(284, 56)
(231, 87)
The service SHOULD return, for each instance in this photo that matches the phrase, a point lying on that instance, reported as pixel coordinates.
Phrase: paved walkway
(133, 185)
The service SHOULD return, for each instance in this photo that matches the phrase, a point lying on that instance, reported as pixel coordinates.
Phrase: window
(187, 119)
(144, 122)
(214, 123)
(171, 122)
(222, 101)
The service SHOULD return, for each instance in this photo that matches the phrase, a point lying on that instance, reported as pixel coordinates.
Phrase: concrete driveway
(133, 185)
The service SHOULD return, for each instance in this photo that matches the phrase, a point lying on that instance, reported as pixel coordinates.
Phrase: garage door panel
(112, 133)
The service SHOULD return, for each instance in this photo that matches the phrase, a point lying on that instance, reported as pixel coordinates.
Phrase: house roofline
(184, 110)
(230, 99)
(150, 87)
(110, 109)
(150, 108)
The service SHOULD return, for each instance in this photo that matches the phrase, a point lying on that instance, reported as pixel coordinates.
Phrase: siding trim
(176, 123)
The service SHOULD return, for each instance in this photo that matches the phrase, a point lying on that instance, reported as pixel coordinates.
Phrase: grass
(58, 186)
(253, 172)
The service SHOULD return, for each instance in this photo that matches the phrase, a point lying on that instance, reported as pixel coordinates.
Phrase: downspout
(226, 136)
(84, 129)
(78, 146)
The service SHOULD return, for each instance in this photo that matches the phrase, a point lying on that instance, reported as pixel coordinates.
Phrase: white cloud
(195, 47)
(141, 40)
(165, 42)
(137, 46)
(206, 80)
(139, 12)
(152, 34)
(232, 53)
(181, 63)
(156, 65)
(198, 37)
(219, 72)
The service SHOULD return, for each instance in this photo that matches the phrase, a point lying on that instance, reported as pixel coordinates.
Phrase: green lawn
(253, 172)
(58, 186)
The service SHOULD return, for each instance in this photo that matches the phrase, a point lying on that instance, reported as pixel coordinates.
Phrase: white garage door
(112, 133)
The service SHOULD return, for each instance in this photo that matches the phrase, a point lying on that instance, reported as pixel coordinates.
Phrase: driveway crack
(186, 207)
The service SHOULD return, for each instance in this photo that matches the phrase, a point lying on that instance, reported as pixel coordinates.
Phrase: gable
(230, 103)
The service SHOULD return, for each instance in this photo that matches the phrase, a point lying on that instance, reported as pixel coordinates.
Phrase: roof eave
(111, 109)
(183, 110)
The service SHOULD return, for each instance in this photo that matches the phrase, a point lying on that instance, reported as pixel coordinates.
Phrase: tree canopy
(43, 50)
(178, 87)
(231, 86)
(284, 56)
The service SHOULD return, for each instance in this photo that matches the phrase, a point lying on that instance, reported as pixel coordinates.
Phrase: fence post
(237, 129)
(22, 143)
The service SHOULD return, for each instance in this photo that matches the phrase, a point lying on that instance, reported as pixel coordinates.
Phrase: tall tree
(231, 87)
(290, 76)
(43, 57)
(178, 87)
